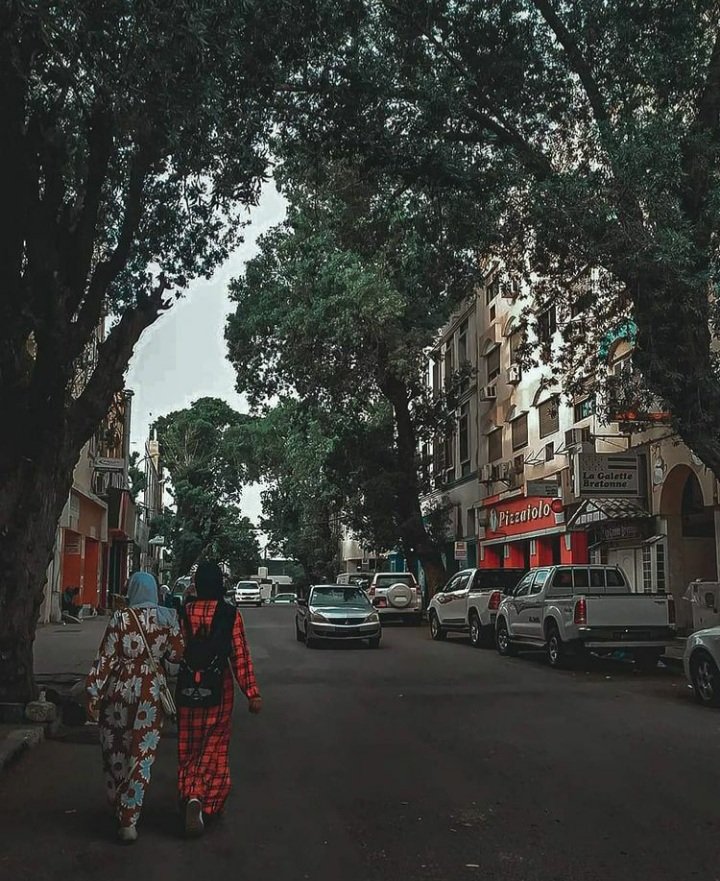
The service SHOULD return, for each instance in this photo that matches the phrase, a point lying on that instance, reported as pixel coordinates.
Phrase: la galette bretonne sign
(603, 475)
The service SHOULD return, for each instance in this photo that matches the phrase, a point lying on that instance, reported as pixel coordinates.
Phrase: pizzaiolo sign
(517, 516)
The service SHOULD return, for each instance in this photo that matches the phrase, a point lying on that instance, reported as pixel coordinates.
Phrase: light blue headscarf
(143, 594)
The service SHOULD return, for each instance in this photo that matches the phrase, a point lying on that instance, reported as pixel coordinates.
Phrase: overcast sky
(182, 356)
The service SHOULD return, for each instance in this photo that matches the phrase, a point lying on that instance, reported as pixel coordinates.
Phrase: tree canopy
(338, 310)
(591, 134)
(207, 475)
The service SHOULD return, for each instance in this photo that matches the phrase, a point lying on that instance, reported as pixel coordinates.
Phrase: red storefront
(528, 531)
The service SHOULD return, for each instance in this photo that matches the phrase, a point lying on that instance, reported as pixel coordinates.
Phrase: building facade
(534, 478)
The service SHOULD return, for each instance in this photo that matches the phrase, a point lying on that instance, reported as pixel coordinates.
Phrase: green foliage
(589, 132)
(208, 472)
(138, 478)
(338, 310)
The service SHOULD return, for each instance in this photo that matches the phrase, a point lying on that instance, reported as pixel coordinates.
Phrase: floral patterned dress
(131, 715)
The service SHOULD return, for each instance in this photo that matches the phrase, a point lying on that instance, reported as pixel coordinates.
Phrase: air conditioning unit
(576, 437)
(514, 374)
(488, 393)
(486, 474)
(482, 517)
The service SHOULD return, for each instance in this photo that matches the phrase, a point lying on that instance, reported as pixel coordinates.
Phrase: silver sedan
(336, 612)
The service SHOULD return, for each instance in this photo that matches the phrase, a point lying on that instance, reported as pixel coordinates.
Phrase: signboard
(461, 550)
(602, 475)
(517, 516)
(609, 532)
(103, 463)
(543, 488)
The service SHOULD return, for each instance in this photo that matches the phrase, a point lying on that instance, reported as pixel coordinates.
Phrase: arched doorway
(691, 551)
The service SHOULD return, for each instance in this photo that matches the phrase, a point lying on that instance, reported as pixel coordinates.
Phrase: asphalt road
(422, 761)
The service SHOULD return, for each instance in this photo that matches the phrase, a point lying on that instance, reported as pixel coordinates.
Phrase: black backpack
(202, 669)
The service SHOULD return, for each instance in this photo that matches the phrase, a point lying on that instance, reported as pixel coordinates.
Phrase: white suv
(248, 592)
(396, 595)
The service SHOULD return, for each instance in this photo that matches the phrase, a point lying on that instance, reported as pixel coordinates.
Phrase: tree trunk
(32, 502)
(414, 536)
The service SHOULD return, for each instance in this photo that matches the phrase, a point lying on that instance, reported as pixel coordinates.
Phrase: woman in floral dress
(124, 696)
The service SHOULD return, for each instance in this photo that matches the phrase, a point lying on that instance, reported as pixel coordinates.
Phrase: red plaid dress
(204, 734)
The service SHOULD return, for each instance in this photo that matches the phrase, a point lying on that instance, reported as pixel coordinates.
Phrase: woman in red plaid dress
(204, 734)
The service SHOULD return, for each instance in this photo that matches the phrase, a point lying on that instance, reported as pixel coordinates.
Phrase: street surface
(422, 761)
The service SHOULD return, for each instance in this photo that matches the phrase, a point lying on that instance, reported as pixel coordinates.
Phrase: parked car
(396, 595)
(336, 612)
(572, 609)
(283, 599)
(702, 665)
(248, 592)
(469, 602)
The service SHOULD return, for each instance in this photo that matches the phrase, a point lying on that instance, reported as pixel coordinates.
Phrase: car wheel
(705, 679)
(475, 631)
(436, 630)
(310, 642)
(502, 640)
(647, 659)
(374, 642)
(555, 647)
(298, 633)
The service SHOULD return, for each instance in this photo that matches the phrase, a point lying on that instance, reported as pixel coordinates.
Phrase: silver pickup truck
(573, 609)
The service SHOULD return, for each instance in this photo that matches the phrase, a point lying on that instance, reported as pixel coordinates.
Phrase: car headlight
(318, 618)
(372, 618)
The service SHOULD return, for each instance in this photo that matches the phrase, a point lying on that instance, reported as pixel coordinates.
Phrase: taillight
(495, 598)
(671, 608)
(581, 611)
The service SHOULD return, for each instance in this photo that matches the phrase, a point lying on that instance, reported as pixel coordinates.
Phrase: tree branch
(107, 270)
(113, 358)
(82, 239)
(578, 62)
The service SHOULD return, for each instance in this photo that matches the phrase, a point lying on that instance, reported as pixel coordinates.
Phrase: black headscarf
(209, 582)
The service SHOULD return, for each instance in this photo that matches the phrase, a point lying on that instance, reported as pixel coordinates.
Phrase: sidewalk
(63, 655)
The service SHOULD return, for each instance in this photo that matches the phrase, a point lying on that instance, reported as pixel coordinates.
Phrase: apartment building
(535, 478)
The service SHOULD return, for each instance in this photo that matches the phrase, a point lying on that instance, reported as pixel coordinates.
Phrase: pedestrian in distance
(216, 651)
(124, 689)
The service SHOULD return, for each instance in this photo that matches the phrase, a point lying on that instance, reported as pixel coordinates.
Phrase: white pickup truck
(469, 602)
(572, 609)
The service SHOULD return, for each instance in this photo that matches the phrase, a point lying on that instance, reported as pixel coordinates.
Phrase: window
(581, 578)
(470, 522)
(450, 449)
(546, 326)
(448, 361)
(524, 585)
(495, 445)
(464, 436)
(653, 563)
(520, 432)
(539, 581)
(493, 313)
(516, 340)
(492, 360)
(549, 414)
(584, 408)
(492, 290)
(462, 344)
(436, 377)
(549, 452)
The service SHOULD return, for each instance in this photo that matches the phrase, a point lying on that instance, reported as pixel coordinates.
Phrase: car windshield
(395, 578)
(247, 585)
(338, 596)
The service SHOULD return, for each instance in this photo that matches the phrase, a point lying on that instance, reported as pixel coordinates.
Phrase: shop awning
(602, 510)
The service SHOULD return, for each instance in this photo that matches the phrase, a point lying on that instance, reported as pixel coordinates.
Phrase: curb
(17, 742)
